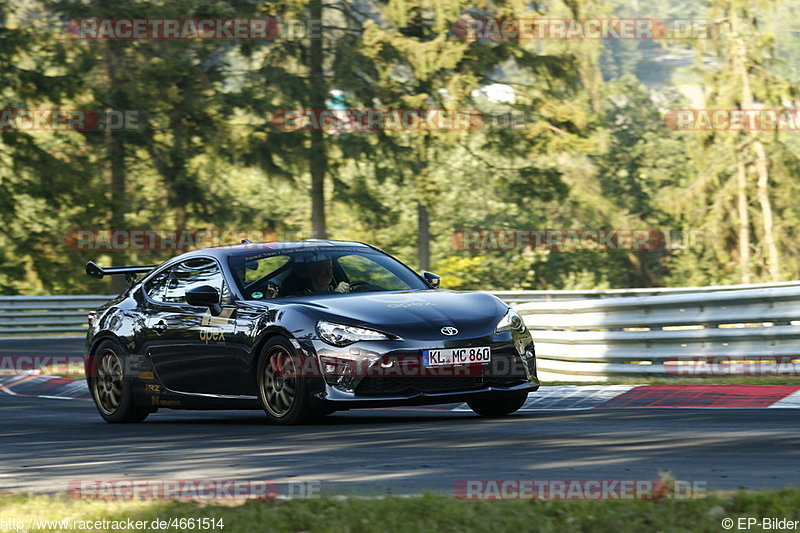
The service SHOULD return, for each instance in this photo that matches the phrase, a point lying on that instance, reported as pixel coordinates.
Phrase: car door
(190, 349)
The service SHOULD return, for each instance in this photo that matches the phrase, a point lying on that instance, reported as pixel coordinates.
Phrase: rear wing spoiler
(96, 271)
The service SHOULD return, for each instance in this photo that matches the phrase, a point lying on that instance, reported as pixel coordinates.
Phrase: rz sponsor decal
(156, 389)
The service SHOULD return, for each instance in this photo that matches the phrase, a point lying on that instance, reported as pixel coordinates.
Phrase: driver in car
(321, 278)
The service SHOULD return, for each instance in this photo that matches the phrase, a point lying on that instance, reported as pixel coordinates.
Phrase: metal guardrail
(579, 335)
(515, 297)
(46, 315)
(681, 333)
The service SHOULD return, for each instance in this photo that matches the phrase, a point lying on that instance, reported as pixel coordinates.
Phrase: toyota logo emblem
(449, 330)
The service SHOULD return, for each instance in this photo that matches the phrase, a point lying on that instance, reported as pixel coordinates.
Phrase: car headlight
(511, 322)
(341, 335)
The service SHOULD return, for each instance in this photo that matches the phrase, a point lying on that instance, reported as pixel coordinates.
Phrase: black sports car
(300, 329)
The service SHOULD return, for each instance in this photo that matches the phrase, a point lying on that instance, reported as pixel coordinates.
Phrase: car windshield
(320, 271)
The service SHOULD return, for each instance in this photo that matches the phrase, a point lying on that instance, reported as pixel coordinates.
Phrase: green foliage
(582, 143)
(674, 512)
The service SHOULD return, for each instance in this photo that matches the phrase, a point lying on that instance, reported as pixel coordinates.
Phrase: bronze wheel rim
(278, 383)
(107, 384)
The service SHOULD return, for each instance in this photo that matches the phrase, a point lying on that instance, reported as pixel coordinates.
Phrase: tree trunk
(744, 223)
(762, 191)
(423, 192)
(423, 237)
(115, 152)
(644, 277)
(317, 156)
(115, 155)
(740, 60)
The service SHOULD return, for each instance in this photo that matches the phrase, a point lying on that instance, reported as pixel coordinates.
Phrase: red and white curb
(583, 397)
(555, 398)
(34, 385)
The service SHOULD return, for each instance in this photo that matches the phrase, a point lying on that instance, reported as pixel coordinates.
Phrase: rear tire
(282, 392)
(111, 389)
(497, 404)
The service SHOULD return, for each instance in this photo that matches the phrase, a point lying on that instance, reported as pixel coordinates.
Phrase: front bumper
(346, 400)
(513, 369)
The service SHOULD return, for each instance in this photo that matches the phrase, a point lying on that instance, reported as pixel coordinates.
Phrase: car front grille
(506, 370)
(381, 386)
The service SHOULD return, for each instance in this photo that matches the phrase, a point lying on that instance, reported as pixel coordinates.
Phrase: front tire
(282, 389)
(110, 388)
(496, 404)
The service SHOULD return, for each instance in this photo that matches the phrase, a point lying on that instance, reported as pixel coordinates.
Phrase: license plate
(456, 356)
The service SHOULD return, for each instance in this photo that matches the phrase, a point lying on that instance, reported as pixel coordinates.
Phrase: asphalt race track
(46, 444)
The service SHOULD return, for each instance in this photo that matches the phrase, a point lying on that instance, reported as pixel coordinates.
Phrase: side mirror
(204, 296)
(432, 279)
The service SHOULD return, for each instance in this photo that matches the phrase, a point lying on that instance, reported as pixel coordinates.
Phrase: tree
(422, 64)
(737, 170)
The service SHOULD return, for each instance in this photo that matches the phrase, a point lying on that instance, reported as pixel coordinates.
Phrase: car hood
(412, 314)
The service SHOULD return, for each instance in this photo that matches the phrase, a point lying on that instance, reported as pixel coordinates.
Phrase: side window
(258, 269)
(193, 273)
(155, 286)
(360, 268)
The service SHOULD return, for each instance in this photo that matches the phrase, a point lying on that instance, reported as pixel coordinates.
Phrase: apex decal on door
(212, 334)
(211, 329)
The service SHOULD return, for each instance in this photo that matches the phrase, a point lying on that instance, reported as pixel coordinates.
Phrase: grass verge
(426, 513)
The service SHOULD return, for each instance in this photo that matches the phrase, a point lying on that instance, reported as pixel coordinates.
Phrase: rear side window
(171, 285)
(155, 286)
